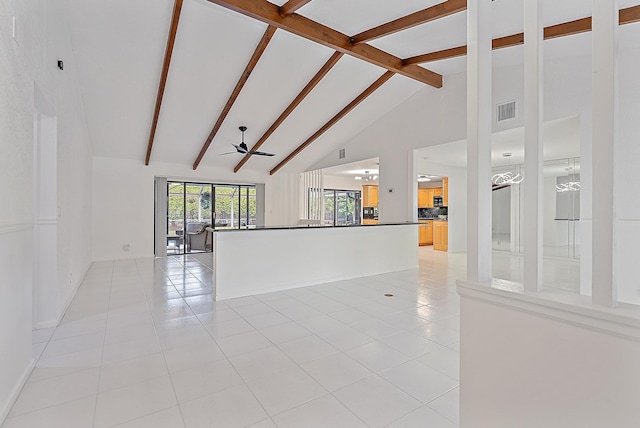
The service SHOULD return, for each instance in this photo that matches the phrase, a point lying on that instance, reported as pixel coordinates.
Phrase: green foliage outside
(200, 200)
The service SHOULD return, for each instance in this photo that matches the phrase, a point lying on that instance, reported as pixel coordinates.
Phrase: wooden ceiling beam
(432, 13)
(262, 45)
(290, 7)
(629, 15)
(168, 52)
(626, 16)
(298, 99)
(269, 13)
(353, 104)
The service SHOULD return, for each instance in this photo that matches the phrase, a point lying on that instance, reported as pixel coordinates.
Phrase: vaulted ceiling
(273, 67)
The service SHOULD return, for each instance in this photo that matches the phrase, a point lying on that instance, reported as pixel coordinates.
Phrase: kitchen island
(262, 260)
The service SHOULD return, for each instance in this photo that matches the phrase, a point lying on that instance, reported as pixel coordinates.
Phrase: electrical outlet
(126, 247)
(390, 190)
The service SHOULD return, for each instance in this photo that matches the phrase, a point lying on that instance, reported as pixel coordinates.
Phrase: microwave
(437, 201)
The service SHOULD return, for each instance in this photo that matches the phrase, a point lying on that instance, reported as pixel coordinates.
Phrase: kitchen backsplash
(431, 212)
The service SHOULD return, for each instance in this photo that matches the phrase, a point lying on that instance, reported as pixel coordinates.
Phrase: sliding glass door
(342, 207)
(192, 207)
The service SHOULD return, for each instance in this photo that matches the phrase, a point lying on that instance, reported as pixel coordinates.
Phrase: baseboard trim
(6, 408)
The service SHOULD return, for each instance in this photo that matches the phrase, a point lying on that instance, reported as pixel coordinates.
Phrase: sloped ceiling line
(626, 16)
(298, 99)
(353, 104)
(177, 8)
(269, 13)
(262, 45)
(423, 16)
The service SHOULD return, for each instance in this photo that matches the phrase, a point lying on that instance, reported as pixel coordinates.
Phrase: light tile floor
(143, 344)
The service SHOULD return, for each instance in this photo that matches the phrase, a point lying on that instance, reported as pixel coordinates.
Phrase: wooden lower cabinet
(440, 235)
(369, 221)
(425, 233)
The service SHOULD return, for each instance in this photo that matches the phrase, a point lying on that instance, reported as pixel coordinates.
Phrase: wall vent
(506, 111)
(341, 154)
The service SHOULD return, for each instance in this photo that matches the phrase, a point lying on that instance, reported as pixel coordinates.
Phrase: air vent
(507, 111)
(341, 154)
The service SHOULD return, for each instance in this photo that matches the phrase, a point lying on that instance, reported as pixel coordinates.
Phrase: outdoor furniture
(197, 237)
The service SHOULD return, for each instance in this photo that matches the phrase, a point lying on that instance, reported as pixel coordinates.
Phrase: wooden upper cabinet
(437, 191)
(423, 198)
(445, 191)
(369, 195)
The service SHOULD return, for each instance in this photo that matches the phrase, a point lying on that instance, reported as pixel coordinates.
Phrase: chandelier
(506, 178)
(571, 186)
(367, 177)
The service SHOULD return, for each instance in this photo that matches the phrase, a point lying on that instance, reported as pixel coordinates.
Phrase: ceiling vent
(506, 111)
(341, 154)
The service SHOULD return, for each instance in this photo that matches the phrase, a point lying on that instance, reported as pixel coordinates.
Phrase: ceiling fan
(243, 149)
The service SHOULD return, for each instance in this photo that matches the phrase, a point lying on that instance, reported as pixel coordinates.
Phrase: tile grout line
(104, 339)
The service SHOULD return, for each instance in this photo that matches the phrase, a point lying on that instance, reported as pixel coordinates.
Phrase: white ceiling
(119, 49)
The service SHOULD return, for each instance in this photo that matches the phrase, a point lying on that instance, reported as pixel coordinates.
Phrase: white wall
(627, 180)
(523, 369)
(123, 203)
(341, 182)
(25, 62)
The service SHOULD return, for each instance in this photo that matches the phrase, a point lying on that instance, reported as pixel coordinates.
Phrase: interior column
(479, 122)
(533, 142)
(605, 117)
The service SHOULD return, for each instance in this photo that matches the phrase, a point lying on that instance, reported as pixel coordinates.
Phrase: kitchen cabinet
(369, 195)
(422, 234)
(425, 232)
(437, 191)
(423, 198)
(440, 235)
(445, 191)
(369, 221)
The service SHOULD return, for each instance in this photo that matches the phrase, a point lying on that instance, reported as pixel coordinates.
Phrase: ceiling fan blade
(228, 153)
(261, 153)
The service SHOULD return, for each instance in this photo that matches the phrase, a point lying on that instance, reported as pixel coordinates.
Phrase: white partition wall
(261, 261)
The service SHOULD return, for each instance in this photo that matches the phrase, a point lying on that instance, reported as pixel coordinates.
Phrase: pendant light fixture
(507, 178)
(367, 177)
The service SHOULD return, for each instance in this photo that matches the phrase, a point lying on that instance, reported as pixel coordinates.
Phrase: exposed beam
(436, 56)
(290, 7)
(627, 16)
(269, 13)
(353, 104)
(266, 38)
(301, 96)
(177, 8)
(420, 17)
